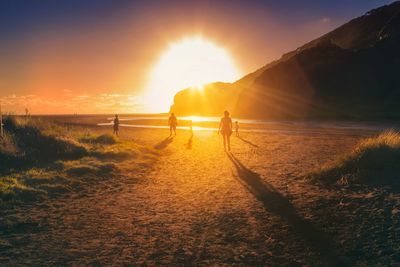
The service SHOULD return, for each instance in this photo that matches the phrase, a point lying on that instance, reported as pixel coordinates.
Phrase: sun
(190, 62)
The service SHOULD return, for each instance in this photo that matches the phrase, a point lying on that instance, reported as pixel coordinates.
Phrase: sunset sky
(103, 56)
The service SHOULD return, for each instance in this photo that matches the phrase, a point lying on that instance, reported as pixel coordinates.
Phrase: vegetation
(375, 161)
(40, 159)
(104, 139)
(10, 188)
(37, 146)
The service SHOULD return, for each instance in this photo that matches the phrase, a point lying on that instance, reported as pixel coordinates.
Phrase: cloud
(69, 103)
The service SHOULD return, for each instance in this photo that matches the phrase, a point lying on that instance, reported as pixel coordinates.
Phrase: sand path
(197, 205)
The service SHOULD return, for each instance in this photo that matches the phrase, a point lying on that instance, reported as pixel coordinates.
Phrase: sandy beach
(196, 204)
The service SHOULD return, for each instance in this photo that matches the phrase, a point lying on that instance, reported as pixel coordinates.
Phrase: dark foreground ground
(198, 205)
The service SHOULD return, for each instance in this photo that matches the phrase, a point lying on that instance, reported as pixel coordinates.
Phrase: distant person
(172, 122)
(116, 125)
(237, 128)
(191, 126)
(189, 143)
(225, 128)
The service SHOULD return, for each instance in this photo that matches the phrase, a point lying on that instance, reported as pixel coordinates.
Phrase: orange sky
(98, 57)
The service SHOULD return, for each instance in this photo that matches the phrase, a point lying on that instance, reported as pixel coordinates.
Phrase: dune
(40, 158)
(375, 161)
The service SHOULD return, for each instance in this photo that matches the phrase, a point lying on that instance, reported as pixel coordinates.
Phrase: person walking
(225, 128)
(172, 122)
(116, 125)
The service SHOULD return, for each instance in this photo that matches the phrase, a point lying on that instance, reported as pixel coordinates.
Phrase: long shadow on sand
(277, 204)
(164, 143)
(247, 141)
(190, 142)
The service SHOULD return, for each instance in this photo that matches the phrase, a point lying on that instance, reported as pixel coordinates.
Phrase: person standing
(172, 122)
(191, 127)
(225, 128)
(116, 125)
(237, 128)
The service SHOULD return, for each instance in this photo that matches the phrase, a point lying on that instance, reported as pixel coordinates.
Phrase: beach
(197, 204)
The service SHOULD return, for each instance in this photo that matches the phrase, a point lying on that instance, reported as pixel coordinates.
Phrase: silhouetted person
(116, 125)
(191, 126)
(225, 127)
(173, 122)
(237, 128)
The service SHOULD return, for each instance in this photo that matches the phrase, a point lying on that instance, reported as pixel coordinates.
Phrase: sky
(98, 56)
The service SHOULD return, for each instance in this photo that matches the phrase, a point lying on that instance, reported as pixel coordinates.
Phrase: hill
(349, 72)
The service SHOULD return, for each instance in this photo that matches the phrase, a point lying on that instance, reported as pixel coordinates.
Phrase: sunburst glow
(191, 62)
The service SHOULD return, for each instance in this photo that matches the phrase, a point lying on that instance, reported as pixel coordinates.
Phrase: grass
(32, 145)
(374, 161)
(7, 144)
(104, 139)
(11, 188)
(41, 159)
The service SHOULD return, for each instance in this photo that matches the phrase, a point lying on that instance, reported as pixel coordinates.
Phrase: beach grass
(374, 160)
(40, 159)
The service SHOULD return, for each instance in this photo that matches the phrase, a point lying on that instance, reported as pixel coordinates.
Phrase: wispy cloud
(70, 103)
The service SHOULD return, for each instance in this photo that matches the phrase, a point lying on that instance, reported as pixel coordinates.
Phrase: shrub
(374, 160)
(37, 146)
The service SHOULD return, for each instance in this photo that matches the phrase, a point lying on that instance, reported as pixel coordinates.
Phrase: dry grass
(7, 144)
(33, 144)
(104, 139)
(374, 160)
(12, 188)
(44, 159)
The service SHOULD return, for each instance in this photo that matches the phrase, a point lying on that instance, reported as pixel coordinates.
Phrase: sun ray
(190, 62)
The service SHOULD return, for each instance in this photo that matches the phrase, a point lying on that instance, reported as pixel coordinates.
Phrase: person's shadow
(164, 143)
(246, 141)
(190, 142)
(276, 203)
